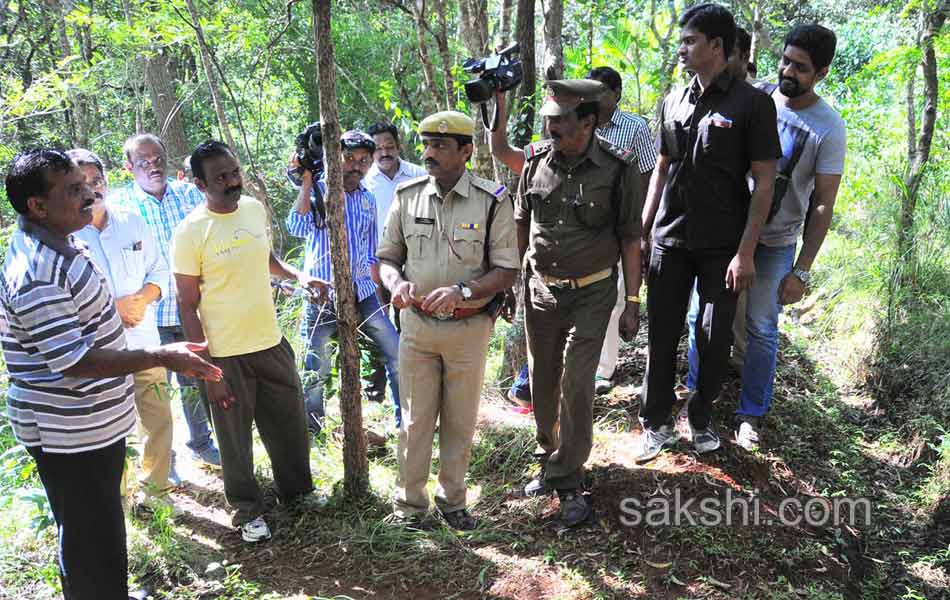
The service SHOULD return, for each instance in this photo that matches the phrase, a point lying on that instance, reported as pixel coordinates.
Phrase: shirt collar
(141, 194)
(48, 238)
(721, 82)
(461, 186)
(594, 154)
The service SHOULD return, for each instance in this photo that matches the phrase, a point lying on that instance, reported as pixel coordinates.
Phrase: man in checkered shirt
(630, 132)
(163, 202)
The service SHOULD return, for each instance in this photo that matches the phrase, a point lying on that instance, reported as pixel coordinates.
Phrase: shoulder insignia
(412, 182)
(532, 151)
(628, 157)
(497, 190)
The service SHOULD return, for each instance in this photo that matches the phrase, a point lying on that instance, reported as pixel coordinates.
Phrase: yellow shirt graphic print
(230, 252)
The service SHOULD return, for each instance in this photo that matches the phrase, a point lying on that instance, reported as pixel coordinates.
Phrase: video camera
(309, 149)
(499, 72)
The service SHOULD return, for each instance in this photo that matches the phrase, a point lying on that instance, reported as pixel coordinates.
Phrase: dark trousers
(565, 332)
(83, 491)
(266, 392)
(670, 284)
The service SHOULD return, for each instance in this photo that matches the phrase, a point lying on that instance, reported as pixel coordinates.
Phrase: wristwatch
(466, 291)
(802, 274)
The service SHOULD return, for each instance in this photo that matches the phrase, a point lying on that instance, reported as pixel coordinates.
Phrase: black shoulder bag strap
(783, 176)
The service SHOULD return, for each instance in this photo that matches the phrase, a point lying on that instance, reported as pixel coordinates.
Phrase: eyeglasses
(363, 162)
(144, 163)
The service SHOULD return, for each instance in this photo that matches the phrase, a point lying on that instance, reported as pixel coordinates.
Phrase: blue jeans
(521, 388)
(193, 402)
(772, 264)
(317, 329)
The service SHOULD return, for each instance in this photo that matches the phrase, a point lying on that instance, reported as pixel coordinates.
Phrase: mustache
(232, 189)
(429, 162)
(98, 195)
(356, 173)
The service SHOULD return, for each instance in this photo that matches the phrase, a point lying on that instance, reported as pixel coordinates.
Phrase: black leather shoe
(459, 519)
(574, 507)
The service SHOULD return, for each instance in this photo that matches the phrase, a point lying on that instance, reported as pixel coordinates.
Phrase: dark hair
(752, 69)
(713, 21)
(140, 138)
(81, 157)
(819, 42)
(384, 127)
(743, 41)
(205, 150)
(28, 175)
(588, 108)
(608, 77)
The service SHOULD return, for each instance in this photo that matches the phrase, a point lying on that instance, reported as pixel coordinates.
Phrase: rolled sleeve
(503, 244)
(299, 225)
(522, 208)
(50, 318)
(643, 146)
(392, 248)
(628, 214)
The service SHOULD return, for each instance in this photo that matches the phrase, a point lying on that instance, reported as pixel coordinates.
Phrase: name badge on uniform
(425, 221)
(469, 226)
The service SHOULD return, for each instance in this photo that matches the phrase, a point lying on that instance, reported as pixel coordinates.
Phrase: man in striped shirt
(163, 203)
(307, 221)
(629, 132)
(70, 400)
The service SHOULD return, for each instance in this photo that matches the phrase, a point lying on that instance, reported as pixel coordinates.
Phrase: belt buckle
(554, 282)
(443, 316)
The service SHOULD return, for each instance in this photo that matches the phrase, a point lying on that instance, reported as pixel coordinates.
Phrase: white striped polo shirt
(56, 306)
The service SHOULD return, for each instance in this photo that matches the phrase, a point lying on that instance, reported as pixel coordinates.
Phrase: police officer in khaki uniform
(577, 212)
(448, 249)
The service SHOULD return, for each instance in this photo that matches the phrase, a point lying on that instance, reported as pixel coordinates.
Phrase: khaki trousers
(565, 333)
(441, 372)
(155, 428)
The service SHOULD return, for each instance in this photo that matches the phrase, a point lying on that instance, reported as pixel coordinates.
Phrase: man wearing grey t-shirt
(809, 173)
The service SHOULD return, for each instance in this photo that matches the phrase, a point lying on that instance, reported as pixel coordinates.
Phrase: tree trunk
(665, 49)
(165, 106)
(428, 71)
(473, 29)
(442, 42)
(355, 465)
(918, 148)
(208, 68)
(524, 34)
(553, 44)
(504, 27)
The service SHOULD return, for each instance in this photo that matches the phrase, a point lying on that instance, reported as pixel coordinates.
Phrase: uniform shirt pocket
(419, 237)
(469, 241)
(544, 209)
(133, 262)
(594, 208)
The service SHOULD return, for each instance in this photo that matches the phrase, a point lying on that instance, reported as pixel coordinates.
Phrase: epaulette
(533, 151)
(412, 182)
(628, 157)
(497, 190)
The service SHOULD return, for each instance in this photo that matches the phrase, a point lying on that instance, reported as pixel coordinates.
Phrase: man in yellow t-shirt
(222, 262)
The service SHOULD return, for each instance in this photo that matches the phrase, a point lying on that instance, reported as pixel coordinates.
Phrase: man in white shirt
(123, 249)
(387, 172)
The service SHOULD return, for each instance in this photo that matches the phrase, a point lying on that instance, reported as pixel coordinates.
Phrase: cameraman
(308, 220)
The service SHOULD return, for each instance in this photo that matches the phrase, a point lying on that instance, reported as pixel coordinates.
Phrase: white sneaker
(255, 531)
(747, 437)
